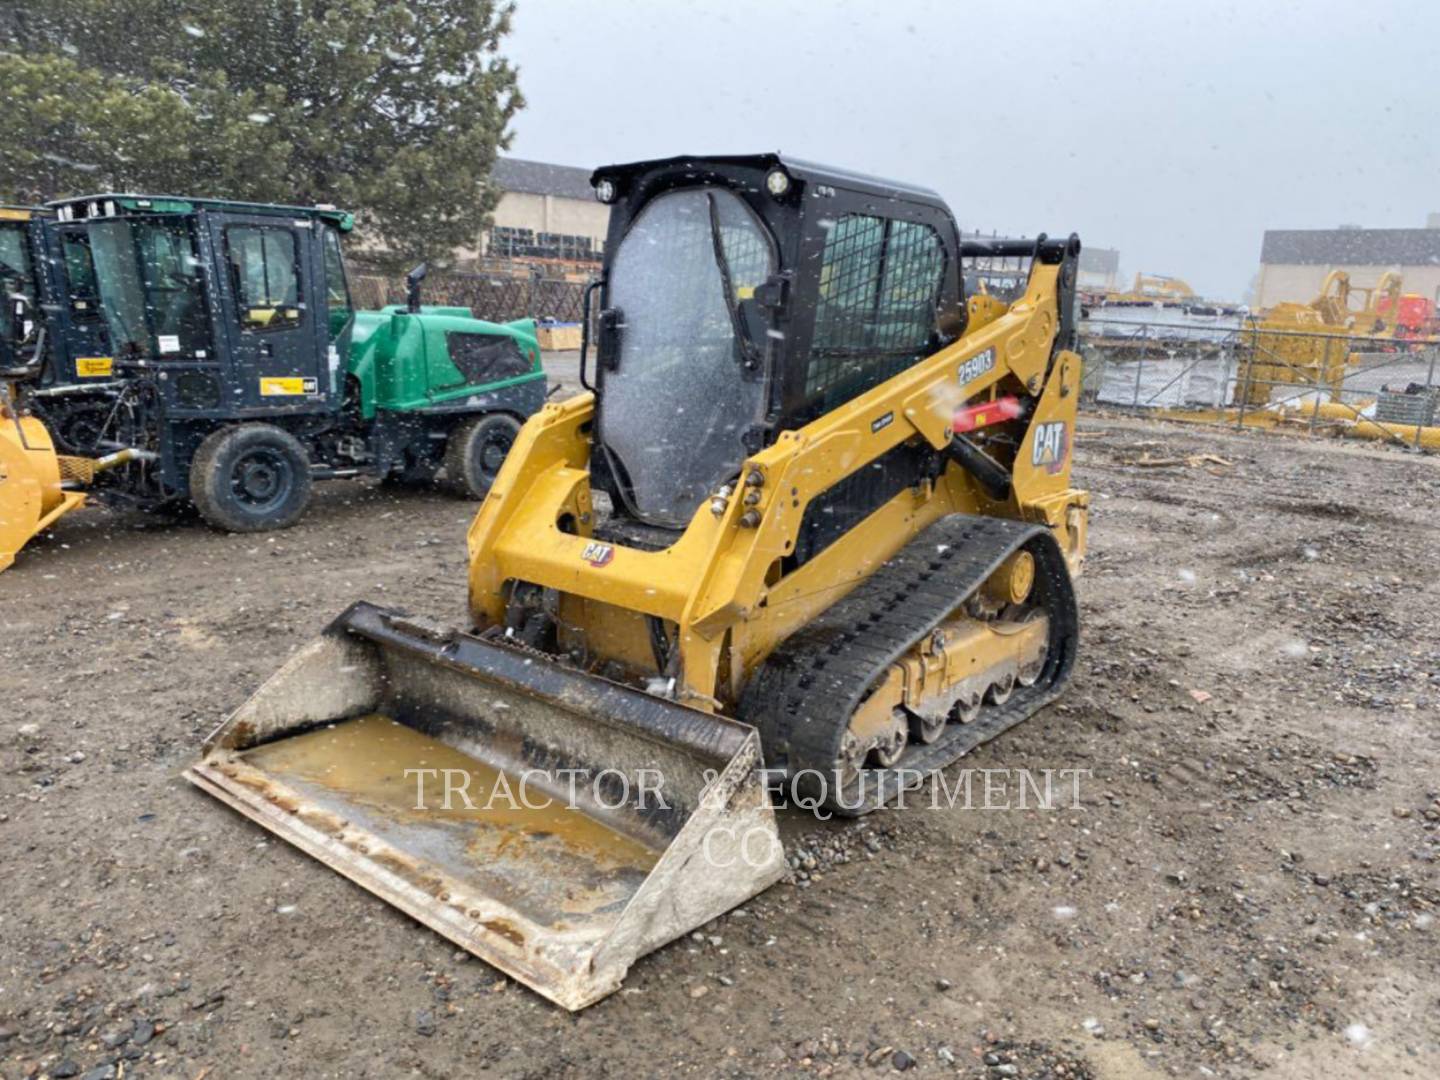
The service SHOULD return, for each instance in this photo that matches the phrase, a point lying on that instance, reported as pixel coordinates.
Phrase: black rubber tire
(475, 451)
(250, 478)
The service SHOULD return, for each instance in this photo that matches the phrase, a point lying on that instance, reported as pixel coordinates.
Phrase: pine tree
(393, 110)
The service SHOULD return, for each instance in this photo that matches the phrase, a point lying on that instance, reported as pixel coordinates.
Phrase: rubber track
(805, 693)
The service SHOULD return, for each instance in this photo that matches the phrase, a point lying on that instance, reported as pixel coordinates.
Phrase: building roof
(1351, 247)
(541, 178)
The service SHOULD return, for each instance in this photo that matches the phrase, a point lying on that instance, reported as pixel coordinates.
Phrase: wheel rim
(261, 479)
(491, 452)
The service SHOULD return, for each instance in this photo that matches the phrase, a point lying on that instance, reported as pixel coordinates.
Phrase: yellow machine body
(1152, 287)
(622, 658)
(719, 585)
(31, 495)
(1312, 344)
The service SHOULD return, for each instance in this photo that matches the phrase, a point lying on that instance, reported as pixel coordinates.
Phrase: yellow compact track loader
(811, 532)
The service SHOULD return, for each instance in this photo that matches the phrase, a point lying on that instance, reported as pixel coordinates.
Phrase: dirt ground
(1248, 885)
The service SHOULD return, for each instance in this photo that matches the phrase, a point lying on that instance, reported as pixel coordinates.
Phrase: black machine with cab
(217, 345)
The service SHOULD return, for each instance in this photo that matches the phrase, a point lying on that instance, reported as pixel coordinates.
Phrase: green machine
(210, 351)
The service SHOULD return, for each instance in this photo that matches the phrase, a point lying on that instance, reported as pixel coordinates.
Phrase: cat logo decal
(1050, 447)
(597, 554)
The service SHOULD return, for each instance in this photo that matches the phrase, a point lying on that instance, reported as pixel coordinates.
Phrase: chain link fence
(1242, 373)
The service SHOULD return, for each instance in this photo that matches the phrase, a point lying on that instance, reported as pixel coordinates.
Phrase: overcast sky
(1176, 132)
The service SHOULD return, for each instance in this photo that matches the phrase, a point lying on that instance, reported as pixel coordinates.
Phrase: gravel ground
(1247, 885)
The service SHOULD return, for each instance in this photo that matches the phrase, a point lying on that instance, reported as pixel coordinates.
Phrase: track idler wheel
(999, 691)
(926, 729)
(1029, 674)
(967, 710)
(891, 744)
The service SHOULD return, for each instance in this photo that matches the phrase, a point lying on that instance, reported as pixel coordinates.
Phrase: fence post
(1140, 364)
(1429, 382)
(1249, 374)
(1315, 380)
(1229, 371)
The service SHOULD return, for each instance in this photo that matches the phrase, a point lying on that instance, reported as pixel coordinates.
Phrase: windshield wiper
(749, 349)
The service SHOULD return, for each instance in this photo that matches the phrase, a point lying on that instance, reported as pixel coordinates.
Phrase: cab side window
(15, 260)
(264, 264)
(18, 286)
(338, 304)
(80, 275)
(880, 281)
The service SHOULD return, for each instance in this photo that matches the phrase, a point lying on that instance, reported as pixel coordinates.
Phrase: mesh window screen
(747, 252)
(879, 285)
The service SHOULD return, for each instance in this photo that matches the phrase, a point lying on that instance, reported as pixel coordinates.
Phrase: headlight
(605, 191)
(777, 182)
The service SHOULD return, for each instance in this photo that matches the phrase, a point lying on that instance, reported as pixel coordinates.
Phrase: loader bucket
(31, 498)
(587, 823)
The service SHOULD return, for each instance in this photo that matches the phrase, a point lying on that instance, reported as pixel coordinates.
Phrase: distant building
(545, 212)
(1099, 270)
(1099, 267)
(1294, 262)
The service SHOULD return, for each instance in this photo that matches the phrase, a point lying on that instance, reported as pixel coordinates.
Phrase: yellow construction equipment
(1342, 305)
(1344, 420)
(1312, 344)
(32, 497)
(1161, 287)
(811, 532)
(1151, 289)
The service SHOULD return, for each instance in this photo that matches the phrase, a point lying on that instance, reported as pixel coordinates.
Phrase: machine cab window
(264, 263)
(18, 284)
(684, 383)
(174, 287)
(338, 305)
(143, 276)
(84, 289)
(880, 281)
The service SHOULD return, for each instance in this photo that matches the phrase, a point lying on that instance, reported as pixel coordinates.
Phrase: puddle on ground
(365, 762)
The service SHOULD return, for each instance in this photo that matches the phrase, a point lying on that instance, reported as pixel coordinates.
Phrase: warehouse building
(545, 212)
(1294, 262)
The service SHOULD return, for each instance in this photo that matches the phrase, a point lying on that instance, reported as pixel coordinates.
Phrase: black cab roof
(114, 204)
(796, 169)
